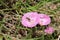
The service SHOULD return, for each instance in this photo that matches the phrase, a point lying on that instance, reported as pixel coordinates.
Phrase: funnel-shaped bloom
(30, 19)
(44, 19)
(49, 30)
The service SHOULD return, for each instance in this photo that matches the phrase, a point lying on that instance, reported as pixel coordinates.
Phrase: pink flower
(49, 30)
(44, 19)
(30, 19)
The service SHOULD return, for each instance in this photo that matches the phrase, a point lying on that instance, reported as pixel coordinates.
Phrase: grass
(11, 12)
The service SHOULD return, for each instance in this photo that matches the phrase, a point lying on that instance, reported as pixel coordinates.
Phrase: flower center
(42, 17)
(28, 19)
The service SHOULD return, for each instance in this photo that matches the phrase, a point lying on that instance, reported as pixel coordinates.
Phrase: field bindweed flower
(49, 30)
(44, 19)
(30, 19)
